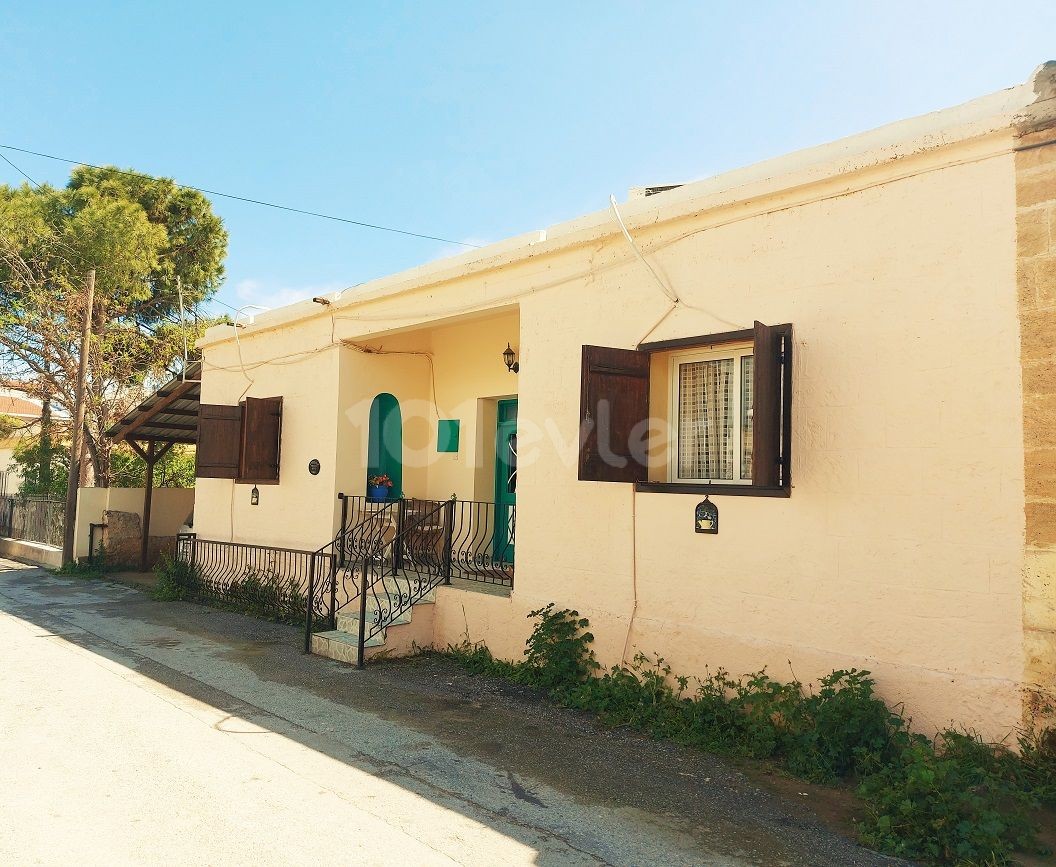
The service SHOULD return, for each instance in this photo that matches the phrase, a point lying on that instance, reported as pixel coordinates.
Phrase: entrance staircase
(400, 634)
(372, 588)
(377, 594)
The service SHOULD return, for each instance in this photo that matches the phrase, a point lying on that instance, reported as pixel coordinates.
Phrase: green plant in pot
(378, 488)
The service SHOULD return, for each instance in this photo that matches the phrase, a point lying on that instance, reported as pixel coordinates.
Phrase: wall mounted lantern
(706, 517)
(254, 496)
(510, 357)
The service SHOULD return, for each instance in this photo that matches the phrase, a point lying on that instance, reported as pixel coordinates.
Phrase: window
(711, 416)
(730, 412)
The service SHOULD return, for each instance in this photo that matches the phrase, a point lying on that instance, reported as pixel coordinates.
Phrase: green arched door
(385, 442)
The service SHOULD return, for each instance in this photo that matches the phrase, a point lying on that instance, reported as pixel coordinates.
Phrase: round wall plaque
(314, 466)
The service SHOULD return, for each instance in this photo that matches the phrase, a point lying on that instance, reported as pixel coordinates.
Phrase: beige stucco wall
(465, 362)
(901, 549)
(327, 391)
(303, 369)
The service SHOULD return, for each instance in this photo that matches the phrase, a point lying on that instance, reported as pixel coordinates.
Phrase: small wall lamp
(510, 357)
(254, 496)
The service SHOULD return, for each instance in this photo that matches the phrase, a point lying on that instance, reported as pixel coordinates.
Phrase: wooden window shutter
(261, 433)
(614, 414)
(771, 397)
(219, 441)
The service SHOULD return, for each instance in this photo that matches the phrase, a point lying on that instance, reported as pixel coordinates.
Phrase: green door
(385, 442)
(505, 480)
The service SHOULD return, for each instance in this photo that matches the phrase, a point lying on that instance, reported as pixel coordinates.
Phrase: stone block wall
(1035, 163)
(122, 540)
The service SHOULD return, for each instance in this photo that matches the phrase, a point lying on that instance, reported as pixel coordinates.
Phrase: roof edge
(932, 131)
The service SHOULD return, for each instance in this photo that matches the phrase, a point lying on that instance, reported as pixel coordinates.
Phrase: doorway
(505, 480)
(385, 442)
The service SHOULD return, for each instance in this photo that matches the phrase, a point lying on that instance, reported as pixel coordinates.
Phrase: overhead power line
(17, 169)
(292, 210)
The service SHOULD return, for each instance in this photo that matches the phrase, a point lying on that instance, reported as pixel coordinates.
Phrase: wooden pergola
(167, 417)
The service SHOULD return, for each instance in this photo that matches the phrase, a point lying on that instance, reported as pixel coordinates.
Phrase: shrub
(477, 659)
(947, 801)
(176, 580)
(1037, 764)
(557, 655)
(81, 569)
(844, 729)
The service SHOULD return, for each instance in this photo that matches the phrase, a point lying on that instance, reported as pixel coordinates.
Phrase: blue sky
(471, 121)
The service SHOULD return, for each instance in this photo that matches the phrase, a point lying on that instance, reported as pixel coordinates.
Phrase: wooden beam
(143, 418)
(178, 440)
(167, 425)
(138, 449)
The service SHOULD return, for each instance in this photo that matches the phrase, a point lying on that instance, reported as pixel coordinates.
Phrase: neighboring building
(26, 414)
(860, 373)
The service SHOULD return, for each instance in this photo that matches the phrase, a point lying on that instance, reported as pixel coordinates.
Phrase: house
(25, 416)
(842, 360)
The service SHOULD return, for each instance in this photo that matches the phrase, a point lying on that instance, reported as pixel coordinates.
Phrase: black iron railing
(482, 544)
(275, 582)
(384, 560)
(334, 581)
(404, 570)
(483, 534)
(34, 519)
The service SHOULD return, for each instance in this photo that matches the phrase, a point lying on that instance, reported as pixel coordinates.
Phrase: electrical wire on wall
(676, 300)
(428, 356)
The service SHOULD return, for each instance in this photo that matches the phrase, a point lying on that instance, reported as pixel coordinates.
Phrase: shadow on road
(477, 749)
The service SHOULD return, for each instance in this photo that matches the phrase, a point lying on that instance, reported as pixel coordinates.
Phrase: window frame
(738, 351)
(718, 341)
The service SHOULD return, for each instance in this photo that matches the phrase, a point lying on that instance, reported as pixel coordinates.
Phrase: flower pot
(377, 493)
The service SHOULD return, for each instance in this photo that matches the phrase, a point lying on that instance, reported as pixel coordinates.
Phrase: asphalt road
(138, 732)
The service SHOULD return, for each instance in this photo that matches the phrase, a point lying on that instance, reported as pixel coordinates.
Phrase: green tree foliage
(142, 235)
(174, 470)
(128, 470)
(43, 466)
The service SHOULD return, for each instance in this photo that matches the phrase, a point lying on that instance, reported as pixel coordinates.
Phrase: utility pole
(76, 437)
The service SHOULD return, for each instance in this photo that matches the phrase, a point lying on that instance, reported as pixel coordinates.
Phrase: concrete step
(400, 586)
(342, 643)
(342, 646)
(348, 619)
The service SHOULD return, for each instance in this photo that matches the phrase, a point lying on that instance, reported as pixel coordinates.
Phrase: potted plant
(378, 488)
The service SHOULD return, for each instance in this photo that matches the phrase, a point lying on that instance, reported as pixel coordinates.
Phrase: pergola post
(151, 456)
(148, 492)
(166, 418)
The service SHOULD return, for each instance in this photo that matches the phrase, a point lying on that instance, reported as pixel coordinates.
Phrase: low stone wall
(36, 553)
(122, 540)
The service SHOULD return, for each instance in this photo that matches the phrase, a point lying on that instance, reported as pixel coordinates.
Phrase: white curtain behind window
(705, 420)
